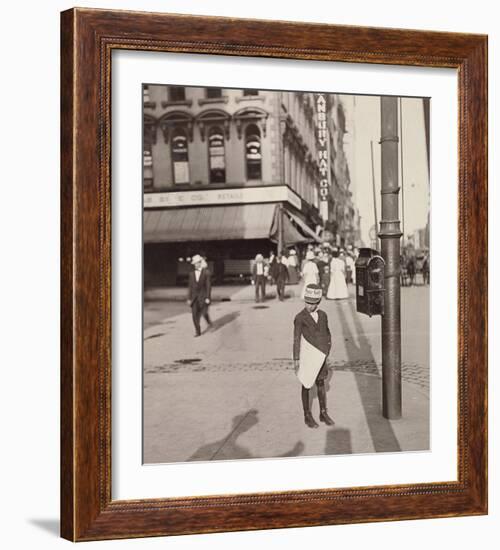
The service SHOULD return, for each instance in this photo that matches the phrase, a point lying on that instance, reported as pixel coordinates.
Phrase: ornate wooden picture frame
(88, 39)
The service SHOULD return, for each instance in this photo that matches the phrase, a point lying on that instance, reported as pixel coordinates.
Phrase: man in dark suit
(281, 277)
(200, 287)
(311, 329)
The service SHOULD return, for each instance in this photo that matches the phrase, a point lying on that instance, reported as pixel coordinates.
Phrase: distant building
(227, 173)
(344, 216)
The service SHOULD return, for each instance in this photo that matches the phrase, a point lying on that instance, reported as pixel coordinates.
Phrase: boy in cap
(311, 346)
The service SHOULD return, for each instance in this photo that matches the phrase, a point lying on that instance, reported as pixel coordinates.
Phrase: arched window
(253, 152)
(180, 156)
(216, 155)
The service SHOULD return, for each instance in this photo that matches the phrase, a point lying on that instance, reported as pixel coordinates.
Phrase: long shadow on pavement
(241, 424)
(229, 449)
(338, 442)
(224, 320)
(382, 434)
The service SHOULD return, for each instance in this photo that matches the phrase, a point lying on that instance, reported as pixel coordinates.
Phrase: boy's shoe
(309, 420)
(323, 417)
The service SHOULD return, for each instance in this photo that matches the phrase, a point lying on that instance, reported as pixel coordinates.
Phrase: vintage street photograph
(286, 273)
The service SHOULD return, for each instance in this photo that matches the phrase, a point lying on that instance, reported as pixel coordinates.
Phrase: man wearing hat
(259, 278)
(311, 346)
(281, 277)
(199, 286)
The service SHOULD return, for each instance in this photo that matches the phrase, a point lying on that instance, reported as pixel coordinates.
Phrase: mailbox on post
(370, 286)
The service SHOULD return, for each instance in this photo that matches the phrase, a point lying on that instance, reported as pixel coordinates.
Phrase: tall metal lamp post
(390, 235)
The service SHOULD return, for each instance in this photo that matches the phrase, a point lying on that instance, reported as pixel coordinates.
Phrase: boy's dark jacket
(317, 334)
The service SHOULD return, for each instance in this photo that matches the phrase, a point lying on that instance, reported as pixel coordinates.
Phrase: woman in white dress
(310, 272)
(293, 272)
(338, 288)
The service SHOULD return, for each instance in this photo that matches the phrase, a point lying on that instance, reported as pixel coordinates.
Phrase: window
(148, 139)
(145, 93)
(213, 93)
(216, 155)
(250, 91)
(176, 93)
(147, 160)
(253, 152)
(180, 157)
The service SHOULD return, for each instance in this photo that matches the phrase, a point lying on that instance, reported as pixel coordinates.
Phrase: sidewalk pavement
(232, 393)
(220, 293)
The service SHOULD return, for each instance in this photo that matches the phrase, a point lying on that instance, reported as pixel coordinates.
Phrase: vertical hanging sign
(323, 155)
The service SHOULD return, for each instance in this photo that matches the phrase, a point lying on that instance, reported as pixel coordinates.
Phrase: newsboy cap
(313, 294)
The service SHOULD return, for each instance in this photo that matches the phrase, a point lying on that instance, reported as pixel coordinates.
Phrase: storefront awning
(308, 232)
(289, 235)
(209, 223)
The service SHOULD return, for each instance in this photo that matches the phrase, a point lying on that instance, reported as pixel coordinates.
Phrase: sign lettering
(275, 193)
(323, 154)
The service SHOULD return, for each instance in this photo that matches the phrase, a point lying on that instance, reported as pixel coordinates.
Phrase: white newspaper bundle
(311, 361)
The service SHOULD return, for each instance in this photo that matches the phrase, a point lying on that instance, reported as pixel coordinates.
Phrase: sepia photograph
(286, 273)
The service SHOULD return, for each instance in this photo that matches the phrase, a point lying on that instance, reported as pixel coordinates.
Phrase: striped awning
(209, 223)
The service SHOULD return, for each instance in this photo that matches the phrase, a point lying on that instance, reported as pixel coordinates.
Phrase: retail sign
(323, 147)
(244, 195)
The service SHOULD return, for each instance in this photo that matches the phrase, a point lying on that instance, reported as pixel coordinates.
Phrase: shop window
(214, 93)
(216, 155)
(253, 152)
(180, 156)
(176, 93)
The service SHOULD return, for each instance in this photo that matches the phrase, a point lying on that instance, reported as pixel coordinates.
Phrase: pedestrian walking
(310, 272)
(293, 269)
(323, 270)
(411, 268)
(259, 277)
(273, 264)
(350, 268)
(311, 345)
(426, 268)
(338, 288)
(309, 250)
(281, 277)
(199, 292)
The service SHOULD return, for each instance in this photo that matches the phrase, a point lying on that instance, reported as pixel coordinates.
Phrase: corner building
(228, 173)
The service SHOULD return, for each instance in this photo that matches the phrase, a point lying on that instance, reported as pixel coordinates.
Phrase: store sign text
(277, 193)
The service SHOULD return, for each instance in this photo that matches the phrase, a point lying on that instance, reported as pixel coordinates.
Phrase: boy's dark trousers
(199, 309)
(323, 412)
(260, 288)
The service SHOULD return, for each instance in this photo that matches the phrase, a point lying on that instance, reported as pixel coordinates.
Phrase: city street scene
(286, 274)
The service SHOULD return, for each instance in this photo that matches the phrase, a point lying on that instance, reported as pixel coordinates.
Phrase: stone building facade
(229, 173)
